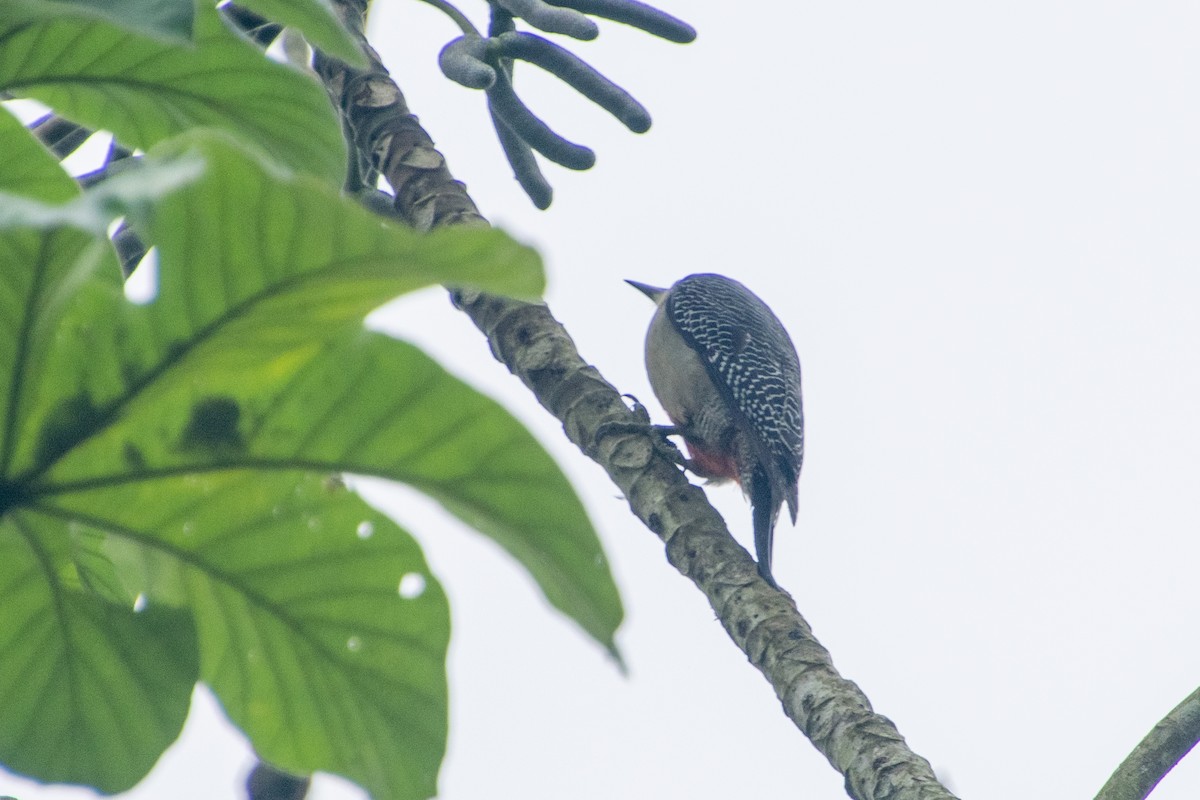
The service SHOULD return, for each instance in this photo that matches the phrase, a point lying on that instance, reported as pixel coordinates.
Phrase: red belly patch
(711, 464)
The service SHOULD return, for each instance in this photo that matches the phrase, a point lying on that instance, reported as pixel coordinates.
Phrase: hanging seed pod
(537, 134)
(551, 18)
(577, 73)
(639, 15)
(523, 162)
(463, 61)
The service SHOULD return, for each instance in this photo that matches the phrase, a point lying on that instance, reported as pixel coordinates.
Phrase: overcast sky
(979, 223)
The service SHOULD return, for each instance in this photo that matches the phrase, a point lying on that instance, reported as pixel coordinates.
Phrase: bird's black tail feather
(766, 510)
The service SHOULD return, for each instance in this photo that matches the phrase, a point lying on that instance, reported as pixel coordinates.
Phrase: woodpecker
(728, 376)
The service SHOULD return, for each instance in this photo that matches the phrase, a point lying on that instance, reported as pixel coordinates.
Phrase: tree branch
(1167, 742)
(832, 711)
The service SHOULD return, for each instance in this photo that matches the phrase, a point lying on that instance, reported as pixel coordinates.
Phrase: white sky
(979, 223)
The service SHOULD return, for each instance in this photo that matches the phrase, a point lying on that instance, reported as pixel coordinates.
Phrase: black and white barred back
(749, 355)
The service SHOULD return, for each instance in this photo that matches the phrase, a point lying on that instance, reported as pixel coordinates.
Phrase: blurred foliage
(171, 507)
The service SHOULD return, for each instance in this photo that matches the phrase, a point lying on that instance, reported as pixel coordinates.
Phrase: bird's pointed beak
(653, 292)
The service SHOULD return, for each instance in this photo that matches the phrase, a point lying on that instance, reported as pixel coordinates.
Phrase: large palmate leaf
(91, 691)
(319, 625)
(145, 89)
(175, 458)
(175, 18)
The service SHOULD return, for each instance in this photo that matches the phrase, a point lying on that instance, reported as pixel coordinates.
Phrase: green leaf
(320, 627)
(164, 18)
(145, 89)
(259, 269)
(47, 259)
(178, 451)
(40, 272)
(28, 168)
(95, 210)
(368, 404)
(317, 20)
(418, 424)
(92, 692)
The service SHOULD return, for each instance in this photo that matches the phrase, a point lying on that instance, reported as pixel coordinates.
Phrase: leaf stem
(450, 10)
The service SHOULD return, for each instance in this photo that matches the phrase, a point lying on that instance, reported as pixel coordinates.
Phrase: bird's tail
(765, 506)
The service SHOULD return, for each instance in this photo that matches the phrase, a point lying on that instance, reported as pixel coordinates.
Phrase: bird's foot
(637, 408)
(623, 425)
(664, 445)
(643, 425)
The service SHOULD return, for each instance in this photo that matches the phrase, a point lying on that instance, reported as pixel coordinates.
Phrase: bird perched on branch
(728, 376)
